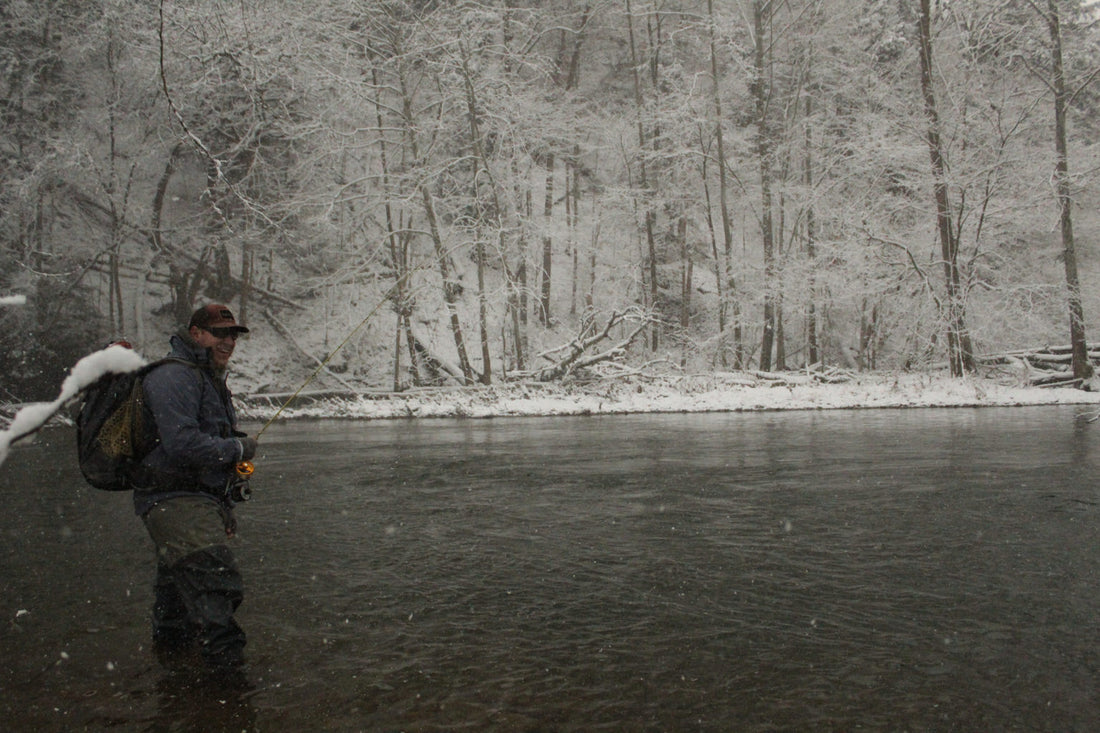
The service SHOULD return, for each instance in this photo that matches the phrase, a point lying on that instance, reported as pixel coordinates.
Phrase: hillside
(731, 191)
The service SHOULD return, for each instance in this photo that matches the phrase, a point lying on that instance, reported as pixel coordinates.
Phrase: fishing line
(328, 358)
(324, 363)
(244, 469)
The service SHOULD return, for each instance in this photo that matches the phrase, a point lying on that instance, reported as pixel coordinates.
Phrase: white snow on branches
(113, 359)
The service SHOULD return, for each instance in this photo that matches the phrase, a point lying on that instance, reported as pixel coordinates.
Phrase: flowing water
(856, 570)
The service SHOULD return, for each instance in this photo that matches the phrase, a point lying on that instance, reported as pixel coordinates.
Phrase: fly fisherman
(184, 492)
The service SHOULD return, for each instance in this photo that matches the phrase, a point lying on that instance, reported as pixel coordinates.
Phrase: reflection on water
(917, 570)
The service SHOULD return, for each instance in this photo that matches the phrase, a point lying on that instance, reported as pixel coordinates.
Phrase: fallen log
(1047, 366)
(578, 356)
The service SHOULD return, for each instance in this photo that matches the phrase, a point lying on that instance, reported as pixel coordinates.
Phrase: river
(919, 570)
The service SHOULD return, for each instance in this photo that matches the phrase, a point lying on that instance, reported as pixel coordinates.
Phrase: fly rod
(324, 362)
(245, 469)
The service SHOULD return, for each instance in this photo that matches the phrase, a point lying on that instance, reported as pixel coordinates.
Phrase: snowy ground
(704, 393)
(720, 392)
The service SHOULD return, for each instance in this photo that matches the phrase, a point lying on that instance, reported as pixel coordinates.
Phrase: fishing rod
(324, 362)
(245, 469)
(238, 486)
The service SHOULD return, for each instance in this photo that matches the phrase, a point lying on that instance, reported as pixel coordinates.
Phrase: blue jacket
(196, 449)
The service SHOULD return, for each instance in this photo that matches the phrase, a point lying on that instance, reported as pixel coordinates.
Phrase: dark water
(918, 570)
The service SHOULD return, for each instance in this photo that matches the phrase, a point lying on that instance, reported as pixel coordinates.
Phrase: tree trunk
(515, 309)
(685, 287)
(1082, 368)
(719, 268)
(517, 275)
(547, 244)
(246, 282)
(760, 93)
(450, 287)
(397, 250)
(496, 217)
(572, 215)
(118, 320)
(960, 351)
(405, 310)
(522, 273)
(813, 355)
(590, 295)
(651, 245)
(486, 376)
(569, 69)
(728, 298)
(177, 280)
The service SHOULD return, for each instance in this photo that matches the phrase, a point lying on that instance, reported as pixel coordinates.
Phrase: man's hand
(248, 447)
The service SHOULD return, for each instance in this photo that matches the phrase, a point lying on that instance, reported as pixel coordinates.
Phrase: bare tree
(1082, 367)
(960, 350)
(765, 152)
(727, 286)
(644, 142)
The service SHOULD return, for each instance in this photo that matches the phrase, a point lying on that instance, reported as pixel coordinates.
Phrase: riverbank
(723, 392)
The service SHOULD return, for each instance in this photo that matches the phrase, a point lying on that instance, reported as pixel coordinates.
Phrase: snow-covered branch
(113, 359)
(578, 348)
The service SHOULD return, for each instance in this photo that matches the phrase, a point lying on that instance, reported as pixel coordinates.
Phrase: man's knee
(211, 571)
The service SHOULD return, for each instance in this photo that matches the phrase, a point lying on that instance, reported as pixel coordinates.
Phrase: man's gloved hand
(248, 447)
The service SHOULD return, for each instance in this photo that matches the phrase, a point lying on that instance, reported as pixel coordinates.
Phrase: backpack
(111, 432)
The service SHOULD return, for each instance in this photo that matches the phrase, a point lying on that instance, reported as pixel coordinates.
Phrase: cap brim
(230, 326)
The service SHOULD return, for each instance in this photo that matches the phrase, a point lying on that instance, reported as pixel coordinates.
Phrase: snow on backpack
(111, 432)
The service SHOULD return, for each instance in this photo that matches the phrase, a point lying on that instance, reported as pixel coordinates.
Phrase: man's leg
(171, 627)
(199, 573)
(211, 588)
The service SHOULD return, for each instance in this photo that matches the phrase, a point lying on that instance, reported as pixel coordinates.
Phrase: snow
(116, 359)
(717, 392)
(263, 375)
(722, 392)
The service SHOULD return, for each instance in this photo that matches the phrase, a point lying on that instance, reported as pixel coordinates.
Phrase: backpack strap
(144, 427)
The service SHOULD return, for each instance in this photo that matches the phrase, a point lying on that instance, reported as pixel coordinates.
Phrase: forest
(418, 192)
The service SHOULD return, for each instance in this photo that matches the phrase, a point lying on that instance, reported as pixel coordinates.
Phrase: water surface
(878, 570)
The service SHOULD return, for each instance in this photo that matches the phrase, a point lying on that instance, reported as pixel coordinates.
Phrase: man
(183, 491)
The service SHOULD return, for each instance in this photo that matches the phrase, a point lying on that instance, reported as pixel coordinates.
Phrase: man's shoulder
(169, 370)
(170, 363)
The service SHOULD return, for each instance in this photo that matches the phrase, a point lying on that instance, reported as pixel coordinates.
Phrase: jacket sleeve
(174, 395)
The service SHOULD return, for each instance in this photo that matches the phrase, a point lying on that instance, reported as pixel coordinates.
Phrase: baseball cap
(215, 315)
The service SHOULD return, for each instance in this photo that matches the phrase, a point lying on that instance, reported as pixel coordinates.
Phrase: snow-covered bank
(706, 393)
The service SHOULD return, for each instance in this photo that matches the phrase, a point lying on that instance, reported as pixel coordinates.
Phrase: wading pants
(198, 585)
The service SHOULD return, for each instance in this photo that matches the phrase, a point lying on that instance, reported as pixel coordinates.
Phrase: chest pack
(112, 433)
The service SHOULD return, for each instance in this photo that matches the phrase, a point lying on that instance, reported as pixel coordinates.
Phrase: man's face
(221, 343)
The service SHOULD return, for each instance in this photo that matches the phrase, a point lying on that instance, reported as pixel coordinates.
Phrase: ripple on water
(918, 570)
